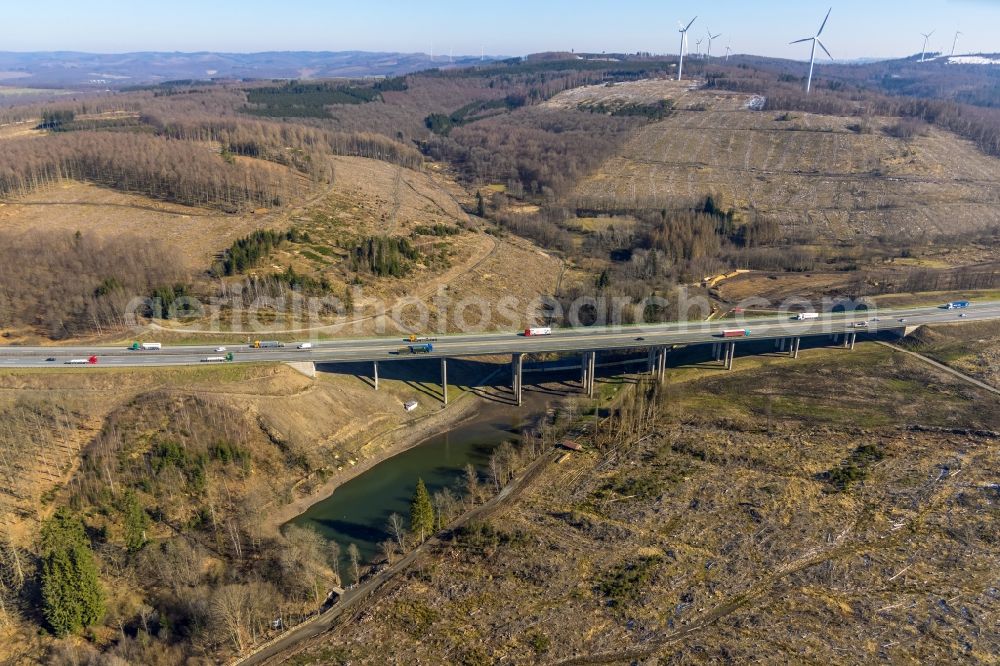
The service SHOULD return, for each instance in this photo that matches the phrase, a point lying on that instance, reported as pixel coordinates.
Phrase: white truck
(306, 345)
(807, 315)
(541, 330)
(146, 346)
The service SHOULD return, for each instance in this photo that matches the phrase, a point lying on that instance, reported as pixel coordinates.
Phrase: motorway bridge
(786, 331)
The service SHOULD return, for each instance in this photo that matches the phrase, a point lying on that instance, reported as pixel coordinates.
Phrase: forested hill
(48, 68)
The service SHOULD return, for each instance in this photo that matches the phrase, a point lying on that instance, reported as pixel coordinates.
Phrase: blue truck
(425, 348)
(956, 305)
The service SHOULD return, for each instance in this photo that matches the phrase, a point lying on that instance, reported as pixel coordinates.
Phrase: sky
(857, 28)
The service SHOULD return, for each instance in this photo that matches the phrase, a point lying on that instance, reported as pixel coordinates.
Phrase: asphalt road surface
(482, 344)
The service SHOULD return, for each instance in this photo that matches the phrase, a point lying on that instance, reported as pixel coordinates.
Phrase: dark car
(50, 359)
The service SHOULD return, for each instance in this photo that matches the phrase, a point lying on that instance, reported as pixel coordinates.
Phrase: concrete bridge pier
(849, 342)
(375, 373)
(793, 348)
(717, 351)
(444, 380)
(591, 374)
(589, 365)
(730, 354)
(517, 376)
(661, 363)
(782, 343)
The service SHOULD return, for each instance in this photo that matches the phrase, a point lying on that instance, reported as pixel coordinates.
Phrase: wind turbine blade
(799, 41)
(824, 22)
(691, 23)
(824, 49)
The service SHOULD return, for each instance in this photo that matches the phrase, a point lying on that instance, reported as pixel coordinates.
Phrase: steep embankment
(196, 465)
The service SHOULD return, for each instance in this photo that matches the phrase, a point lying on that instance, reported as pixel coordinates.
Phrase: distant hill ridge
(72, 68)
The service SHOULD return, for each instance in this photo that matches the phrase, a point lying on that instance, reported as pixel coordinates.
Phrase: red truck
(736, 333)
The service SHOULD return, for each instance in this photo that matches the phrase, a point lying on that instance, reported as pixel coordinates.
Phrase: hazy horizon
(856, 29)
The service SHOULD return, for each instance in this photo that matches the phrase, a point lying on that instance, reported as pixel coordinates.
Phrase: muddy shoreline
(393, 442)
(378, 449)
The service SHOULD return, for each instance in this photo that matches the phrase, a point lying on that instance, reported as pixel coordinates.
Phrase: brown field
(367, 197)
(516, 270)
(373, 197)
(18, 130)
(812, 173)
(683, 94)
(196, 234)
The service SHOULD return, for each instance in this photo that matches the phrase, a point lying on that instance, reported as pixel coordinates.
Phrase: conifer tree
(71, 592)
(136, 522)
(421, 512)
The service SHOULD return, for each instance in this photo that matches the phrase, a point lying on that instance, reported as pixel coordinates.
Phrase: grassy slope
(720, 514)
(972, 348)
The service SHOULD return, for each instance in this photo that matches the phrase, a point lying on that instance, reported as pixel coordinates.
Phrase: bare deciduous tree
(354, 555)
(398, 530)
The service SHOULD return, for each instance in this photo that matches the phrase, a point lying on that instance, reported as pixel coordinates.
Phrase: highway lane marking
(674, 332)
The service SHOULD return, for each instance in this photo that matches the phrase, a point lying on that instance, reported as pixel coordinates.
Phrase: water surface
(358, 511)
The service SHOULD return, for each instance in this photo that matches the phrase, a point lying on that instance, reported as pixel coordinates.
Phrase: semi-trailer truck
(807, 315)
(420, 338)
(218, 359)
(956, 305)
(82, 361)
(267, 344)
(415, 349)
(736, 333)
(146, 346)
(541, 330)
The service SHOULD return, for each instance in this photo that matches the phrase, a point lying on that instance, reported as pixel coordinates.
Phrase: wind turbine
(729, 49)
(954, 43)
(927, 36)
(710, 38)
(812, 53)
(697, 46)
(684, 40)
